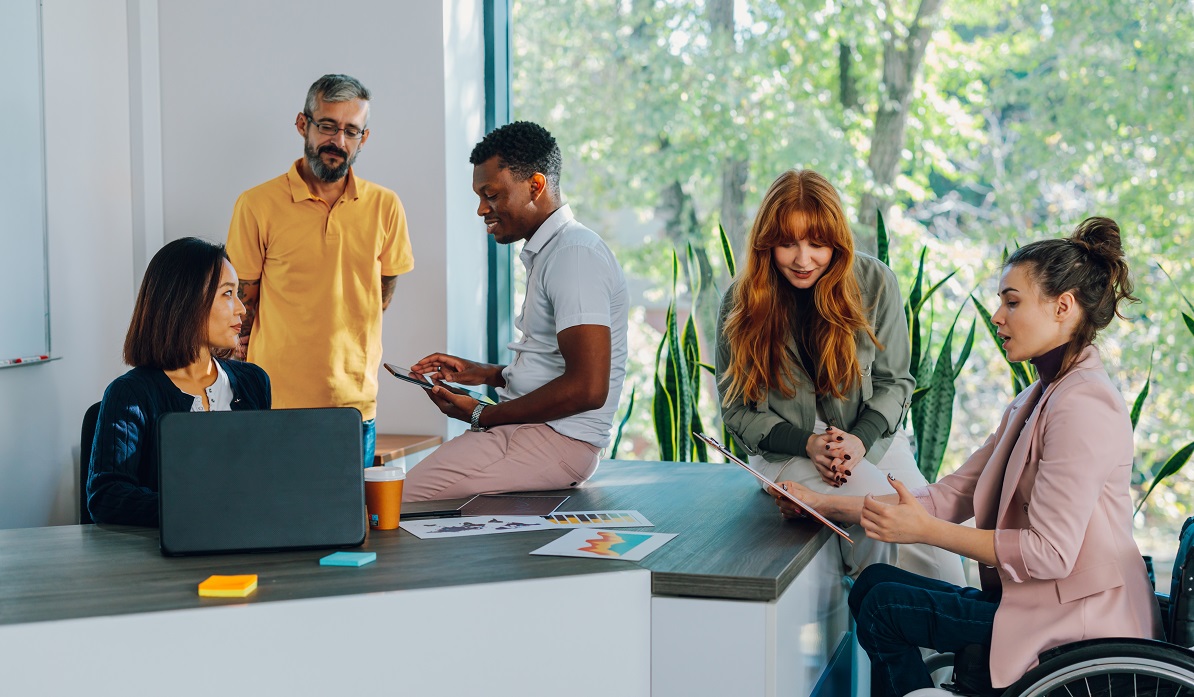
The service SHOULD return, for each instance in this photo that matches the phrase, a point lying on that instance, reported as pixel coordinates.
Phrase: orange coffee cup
(383, 496)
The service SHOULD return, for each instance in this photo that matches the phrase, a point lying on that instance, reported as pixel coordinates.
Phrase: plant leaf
(933, 289)
(622, 424)
(933, 415)
(1172, 466)
(1189, 322)
(726, 250)
(881, 238)
(694, 272)
(1138, 405)
(965, 355)
(663, 408)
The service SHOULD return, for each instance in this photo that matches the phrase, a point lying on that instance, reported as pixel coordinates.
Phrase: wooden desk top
(732, 543)
(391, 446)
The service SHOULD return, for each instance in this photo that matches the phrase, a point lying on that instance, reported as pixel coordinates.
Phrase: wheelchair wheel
(1111, 669)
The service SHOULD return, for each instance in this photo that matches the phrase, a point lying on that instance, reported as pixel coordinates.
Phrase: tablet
(422, 381)
(409, 376)
(812, 513)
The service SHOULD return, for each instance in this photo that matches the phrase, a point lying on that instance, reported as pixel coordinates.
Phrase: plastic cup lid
(385, 474)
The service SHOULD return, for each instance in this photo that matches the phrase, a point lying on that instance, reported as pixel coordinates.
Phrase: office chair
(86, 436)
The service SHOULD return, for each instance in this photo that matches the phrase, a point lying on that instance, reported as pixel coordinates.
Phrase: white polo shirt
(572, 278)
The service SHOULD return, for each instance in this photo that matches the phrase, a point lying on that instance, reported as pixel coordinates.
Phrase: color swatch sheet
(469, 526)
(601, 519)
(606, 544)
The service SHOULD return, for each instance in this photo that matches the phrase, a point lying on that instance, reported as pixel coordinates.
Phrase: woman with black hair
(187, 312)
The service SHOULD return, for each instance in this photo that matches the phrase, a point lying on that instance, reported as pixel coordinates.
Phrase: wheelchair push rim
(1107, 677)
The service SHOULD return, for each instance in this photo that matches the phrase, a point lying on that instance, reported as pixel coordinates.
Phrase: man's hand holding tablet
(426, 382)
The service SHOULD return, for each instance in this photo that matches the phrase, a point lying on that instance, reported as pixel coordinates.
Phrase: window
(1020, 120)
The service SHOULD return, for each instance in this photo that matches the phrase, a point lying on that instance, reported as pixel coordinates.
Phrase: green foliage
(1138, 405)
(883, 243)
(675, 406)
(677, 386)
(727, 251)
(1179, 459)
(1172, 466)
(932, 413)
(933, 399)
(1004, 142)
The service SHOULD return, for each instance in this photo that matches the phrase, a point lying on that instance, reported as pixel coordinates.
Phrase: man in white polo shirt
(559, 395)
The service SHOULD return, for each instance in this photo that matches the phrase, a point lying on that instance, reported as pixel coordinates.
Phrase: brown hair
(1090, 264)
(799, 204)
(169, 323)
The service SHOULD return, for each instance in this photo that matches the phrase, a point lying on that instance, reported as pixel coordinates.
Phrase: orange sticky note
(228, 586)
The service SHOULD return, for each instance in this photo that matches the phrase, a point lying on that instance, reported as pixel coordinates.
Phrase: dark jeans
(369, 440)
(897, 612)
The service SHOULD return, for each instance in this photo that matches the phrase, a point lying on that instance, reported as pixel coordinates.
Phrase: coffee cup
(383, 496)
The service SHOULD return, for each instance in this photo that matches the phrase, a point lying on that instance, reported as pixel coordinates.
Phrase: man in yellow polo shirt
(318, 251)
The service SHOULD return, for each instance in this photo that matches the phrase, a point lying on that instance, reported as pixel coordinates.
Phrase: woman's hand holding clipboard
(812, 513)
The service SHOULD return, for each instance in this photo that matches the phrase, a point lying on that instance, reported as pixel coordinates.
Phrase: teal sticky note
(348, 559)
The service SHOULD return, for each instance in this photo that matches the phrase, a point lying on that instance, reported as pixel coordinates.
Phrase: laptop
(252, 481)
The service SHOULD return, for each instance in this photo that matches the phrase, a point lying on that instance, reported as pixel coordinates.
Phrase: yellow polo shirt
(318, 328)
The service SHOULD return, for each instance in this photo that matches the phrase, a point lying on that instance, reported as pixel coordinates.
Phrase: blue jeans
(897, 612)
(369, 440)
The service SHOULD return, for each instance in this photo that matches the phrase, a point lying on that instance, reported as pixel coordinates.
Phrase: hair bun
(1099, 236)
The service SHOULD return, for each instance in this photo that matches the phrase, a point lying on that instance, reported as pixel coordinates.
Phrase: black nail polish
(840, 438)
(847, 457)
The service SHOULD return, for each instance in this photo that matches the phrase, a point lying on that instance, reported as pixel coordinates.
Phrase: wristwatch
(476, 418)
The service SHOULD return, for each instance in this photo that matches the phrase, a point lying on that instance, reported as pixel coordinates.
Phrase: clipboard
(812, 513)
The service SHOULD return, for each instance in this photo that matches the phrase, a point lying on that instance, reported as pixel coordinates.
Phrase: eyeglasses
(329, 129)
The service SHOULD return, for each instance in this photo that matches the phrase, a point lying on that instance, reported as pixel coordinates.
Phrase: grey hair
(335, 88)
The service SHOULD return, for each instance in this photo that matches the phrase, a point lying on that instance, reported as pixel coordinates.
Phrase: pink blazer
(1053, 485)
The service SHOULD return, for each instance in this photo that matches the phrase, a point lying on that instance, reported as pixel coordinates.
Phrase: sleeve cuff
(786, 438)
(870, 427)
(1009, 556)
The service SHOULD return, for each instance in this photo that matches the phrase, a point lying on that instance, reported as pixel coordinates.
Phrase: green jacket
(886, 384)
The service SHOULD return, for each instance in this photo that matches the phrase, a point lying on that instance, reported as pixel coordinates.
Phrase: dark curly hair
(524, 148)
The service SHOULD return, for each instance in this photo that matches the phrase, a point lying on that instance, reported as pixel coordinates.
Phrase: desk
(392, 446)
(740, 603)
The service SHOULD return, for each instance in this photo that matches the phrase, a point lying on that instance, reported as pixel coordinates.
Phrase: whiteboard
(24, 290)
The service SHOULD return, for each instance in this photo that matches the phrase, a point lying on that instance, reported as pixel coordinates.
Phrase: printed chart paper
(468, 526)
(598, 519)
(606, 544)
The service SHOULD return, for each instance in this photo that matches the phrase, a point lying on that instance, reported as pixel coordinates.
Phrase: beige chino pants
(516, 457)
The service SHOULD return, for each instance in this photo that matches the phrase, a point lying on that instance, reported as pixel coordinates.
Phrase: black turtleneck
(1048, 364)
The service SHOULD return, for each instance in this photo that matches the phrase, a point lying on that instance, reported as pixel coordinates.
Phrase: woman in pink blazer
(1048, 493)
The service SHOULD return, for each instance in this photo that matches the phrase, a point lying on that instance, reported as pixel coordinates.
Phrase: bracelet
(476, 418)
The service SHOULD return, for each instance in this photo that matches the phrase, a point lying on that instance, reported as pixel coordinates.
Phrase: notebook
(240, 481)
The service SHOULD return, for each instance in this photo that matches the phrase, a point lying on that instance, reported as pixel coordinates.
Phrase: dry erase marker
(26, 359)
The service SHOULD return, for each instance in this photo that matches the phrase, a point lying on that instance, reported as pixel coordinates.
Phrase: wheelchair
(1112, 667)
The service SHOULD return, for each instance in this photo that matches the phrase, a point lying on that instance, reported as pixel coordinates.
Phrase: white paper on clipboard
(812, 513)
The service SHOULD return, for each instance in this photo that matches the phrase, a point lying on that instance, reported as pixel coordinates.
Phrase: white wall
(233, 75)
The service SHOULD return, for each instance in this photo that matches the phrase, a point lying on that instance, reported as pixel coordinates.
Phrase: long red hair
(799, 204)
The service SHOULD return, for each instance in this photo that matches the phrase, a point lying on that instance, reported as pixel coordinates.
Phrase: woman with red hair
(812, 362)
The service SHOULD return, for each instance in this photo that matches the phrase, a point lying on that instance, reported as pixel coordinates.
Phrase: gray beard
(322, 171)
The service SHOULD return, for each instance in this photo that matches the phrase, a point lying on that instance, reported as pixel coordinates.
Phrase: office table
(740, 603)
